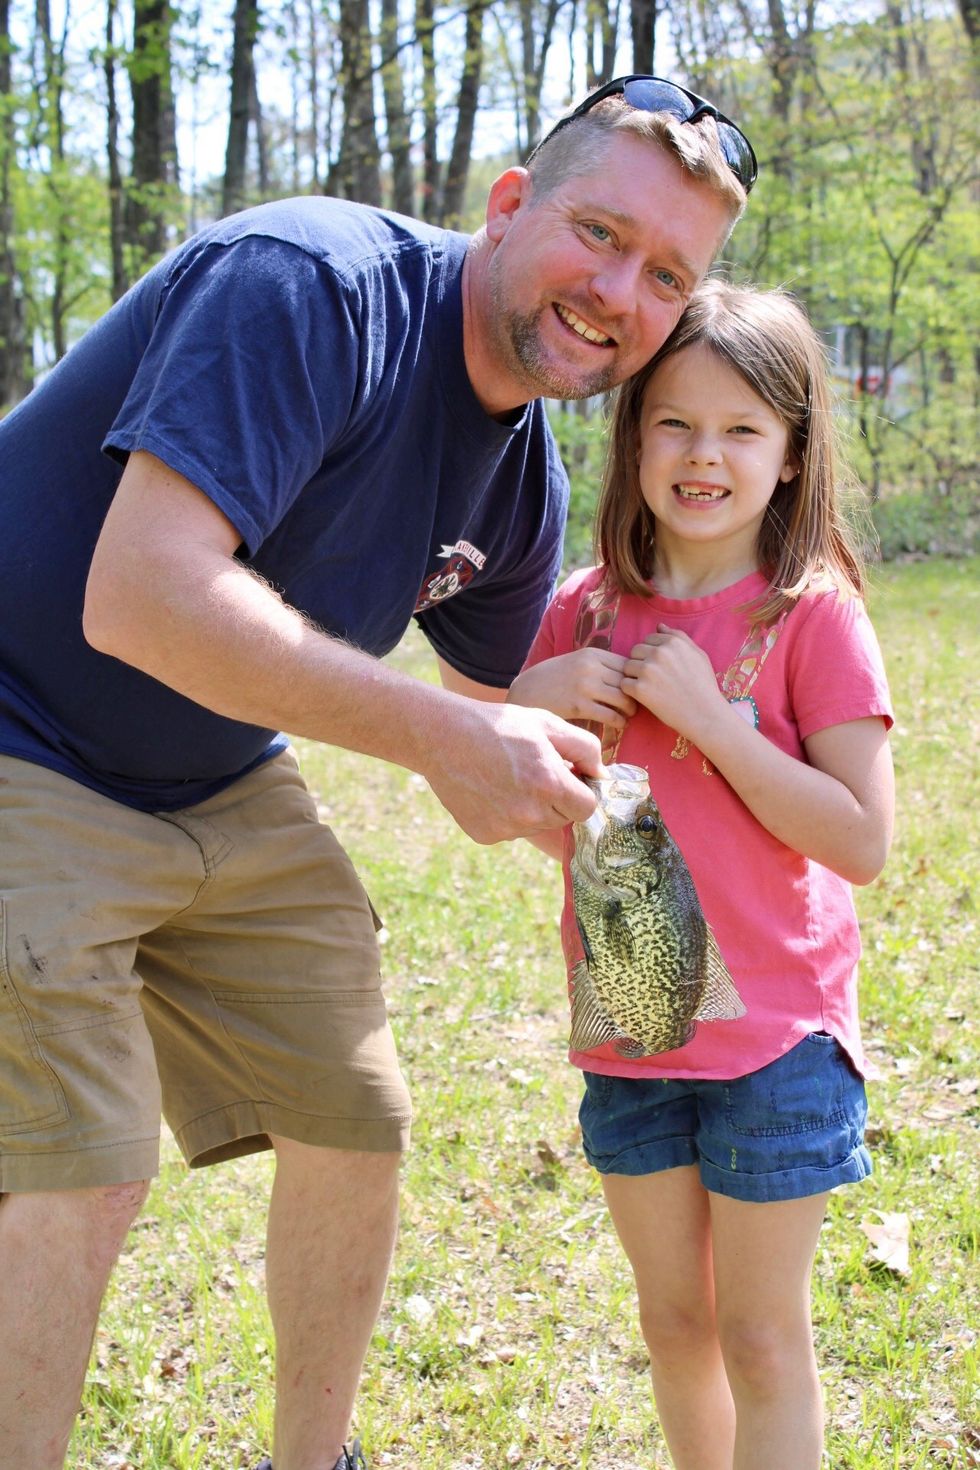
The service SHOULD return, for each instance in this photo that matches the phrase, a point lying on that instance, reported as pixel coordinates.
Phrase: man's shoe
(350, 1459)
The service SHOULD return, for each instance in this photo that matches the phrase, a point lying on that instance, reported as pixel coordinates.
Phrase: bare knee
(763, 1358)
(116, 1206)
(92, 1224)
(676, 1330)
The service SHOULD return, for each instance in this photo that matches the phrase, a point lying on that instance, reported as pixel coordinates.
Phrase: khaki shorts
(219, 964)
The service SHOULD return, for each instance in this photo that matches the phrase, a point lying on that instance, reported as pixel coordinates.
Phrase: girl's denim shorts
(791, 1129)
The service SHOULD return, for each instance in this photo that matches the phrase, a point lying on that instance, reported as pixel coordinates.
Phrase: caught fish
(652, 966)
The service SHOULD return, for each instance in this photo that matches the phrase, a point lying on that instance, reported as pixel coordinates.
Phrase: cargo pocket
(30, 1094)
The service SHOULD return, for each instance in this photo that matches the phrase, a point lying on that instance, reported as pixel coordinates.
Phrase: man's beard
(519, 335)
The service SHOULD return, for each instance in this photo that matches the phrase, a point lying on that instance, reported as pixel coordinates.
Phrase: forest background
(127, 124)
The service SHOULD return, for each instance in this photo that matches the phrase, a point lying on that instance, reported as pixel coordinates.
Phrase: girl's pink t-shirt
(785, 925)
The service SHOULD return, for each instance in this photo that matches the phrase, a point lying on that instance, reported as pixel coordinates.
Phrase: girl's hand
(584, 685)
(672, 677)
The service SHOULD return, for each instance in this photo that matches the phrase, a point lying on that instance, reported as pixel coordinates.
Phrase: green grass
(509, 1334)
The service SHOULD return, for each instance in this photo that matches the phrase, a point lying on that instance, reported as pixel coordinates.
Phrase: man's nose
(616, 286)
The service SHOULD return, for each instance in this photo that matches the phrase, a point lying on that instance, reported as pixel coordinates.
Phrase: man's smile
(582, 327)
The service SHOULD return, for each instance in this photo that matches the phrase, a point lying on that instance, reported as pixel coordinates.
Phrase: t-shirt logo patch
(460, 563)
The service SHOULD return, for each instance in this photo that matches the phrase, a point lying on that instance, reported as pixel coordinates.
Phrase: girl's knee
(674, 1330)
(763, 1357)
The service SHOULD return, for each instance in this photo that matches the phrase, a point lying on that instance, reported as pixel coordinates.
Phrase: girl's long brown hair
(804, 537)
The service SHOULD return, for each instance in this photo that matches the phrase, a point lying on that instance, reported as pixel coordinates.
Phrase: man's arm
(166, 595)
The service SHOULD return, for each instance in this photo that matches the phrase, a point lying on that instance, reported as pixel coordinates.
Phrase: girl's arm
(837, 810)
(583, 685)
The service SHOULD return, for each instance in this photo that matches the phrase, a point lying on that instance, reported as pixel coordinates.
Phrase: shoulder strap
(741, 674)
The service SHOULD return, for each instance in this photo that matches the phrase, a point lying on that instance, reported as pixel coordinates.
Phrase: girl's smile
(711, 453)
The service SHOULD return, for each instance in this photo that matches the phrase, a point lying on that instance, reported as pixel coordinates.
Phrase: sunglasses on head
(656, 94)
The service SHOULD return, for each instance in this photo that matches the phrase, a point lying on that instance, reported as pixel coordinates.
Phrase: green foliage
(581, 439)
(869, 219)
(509, 1332)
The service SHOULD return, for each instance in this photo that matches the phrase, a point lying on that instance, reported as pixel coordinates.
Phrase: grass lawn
(509, 1334)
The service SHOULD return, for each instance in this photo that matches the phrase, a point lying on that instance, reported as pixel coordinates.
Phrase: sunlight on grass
(509, 1334)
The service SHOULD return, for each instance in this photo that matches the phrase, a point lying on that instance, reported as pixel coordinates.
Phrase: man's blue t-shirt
(302, 364)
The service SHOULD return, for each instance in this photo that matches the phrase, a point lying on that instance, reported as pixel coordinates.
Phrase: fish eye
(646, 825)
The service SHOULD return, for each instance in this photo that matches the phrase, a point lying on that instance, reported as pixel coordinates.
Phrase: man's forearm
(166, 595)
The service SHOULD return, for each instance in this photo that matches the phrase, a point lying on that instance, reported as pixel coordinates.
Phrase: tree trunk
(261, 143)
(402, 179)
(424, 26)
(13, 360)
(246, 27)
(50, 79)
(120, 279)
(359, 167)
(535, 45)
(154, 130)
(643, 25)
(466, 103)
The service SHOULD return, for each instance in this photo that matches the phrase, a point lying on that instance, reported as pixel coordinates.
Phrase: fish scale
(652, 968)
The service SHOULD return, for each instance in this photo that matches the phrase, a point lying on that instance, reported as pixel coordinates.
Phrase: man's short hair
(581, 147)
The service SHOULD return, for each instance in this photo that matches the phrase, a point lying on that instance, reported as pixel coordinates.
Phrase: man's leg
(56, 1252)
(332, 1226)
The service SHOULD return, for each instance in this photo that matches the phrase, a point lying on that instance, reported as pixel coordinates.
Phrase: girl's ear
(791, 468)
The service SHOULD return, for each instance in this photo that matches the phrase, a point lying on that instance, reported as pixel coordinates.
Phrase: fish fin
(591, 1026)
(630, 1050)
(721, 1001)
(584, 939)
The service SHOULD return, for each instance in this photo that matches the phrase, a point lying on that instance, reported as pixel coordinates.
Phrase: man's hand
(504, 772)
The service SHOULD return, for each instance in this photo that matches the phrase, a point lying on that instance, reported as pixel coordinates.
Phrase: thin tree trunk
(469, 93)
(313, 52)
(360, 157)
(13, 360)
(154, 129)
(120, 280)
(535, 46)
(246, 26)
(424, 25)
(643, 25)
(261, 142)
(402, 179)
(50, 88)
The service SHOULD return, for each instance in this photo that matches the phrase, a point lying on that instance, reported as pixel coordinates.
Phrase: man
(217, 512)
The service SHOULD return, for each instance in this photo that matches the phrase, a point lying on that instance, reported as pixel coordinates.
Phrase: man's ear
(507, 194)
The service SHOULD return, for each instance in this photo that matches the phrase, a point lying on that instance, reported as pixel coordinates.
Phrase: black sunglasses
(656, 94)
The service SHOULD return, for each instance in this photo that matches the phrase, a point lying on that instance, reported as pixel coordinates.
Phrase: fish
(652, 967)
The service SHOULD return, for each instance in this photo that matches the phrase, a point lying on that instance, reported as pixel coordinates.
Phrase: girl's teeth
(695, 492)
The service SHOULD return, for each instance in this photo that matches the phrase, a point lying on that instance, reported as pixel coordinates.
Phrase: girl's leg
(763, 1256)
(664, 1223)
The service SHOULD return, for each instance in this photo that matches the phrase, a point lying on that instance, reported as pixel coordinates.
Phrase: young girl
(723, 644)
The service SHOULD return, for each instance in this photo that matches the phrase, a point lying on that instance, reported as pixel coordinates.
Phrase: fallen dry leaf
(890, 1240)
